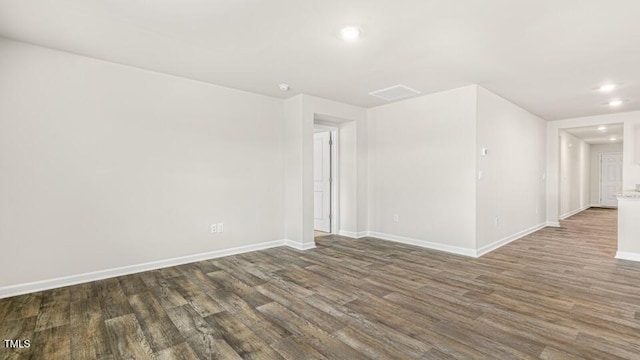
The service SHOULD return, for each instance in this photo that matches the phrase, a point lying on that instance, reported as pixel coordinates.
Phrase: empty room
(282, 179)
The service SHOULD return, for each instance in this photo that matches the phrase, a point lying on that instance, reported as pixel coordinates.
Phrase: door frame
(335, 174)
(600, 176)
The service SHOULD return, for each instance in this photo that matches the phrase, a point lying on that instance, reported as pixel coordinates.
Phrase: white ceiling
(592, 134)
(545, 55)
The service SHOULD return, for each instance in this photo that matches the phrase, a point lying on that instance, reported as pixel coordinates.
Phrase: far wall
(422, 169)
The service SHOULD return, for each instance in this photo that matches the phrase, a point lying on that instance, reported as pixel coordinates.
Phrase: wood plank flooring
(556, 294)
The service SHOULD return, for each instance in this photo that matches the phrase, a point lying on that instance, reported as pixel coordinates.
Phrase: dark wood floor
(557, 294)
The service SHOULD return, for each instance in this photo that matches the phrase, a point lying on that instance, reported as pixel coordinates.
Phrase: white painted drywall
(511, 192)
(628, 229)
(422, 167)
(105, 165)
(348, 172)
(630, 169)
(596, 150)
(574, 174)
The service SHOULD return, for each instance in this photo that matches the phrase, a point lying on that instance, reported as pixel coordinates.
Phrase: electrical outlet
(396, 218)
(220, 227)
(214, 228)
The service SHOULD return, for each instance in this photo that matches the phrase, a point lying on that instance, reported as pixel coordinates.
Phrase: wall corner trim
(623, 255)
(25, 288)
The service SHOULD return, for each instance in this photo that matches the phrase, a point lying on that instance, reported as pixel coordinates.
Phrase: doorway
(325, 179)
(590, 167)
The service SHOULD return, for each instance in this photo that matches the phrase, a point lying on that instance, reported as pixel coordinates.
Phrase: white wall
(422, 167)
(594, 179)
(628, 229)
(106, 165)
(630, 169)
(511, 192)
(574, 174)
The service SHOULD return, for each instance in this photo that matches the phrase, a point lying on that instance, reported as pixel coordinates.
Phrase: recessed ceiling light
(350, 33)
(615, 102)
(602, 128)
(607, 87)
(613, 139)
(284, 87)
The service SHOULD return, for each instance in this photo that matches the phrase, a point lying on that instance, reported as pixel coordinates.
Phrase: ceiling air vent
(395, 92)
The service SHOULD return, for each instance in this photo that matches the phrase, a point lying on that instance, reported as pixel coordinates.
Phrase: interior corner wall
(595, 151)
(105, 166)
(511, 185)
(422, 167)
(574, 174)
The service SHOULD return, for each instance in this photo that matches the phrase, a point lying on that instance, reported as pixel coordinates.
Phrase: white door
(610, 178)
(322, 181)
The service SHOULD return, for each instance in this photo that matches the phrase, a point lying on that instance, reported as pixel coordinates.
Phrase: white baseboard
(502, 242)
(622, 255)
(355, 235)
(553, 223)
(298, 245)
(19, 289)
(425, 244)
(346, 233)
(573, 212)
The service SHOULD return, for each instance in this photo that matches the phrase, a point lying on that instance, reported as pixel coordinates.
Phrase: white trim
(19, 289)
(573, 212)
(622, 255)
(298, 245)
(504, 241)
(553, 223)
(425, 244)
